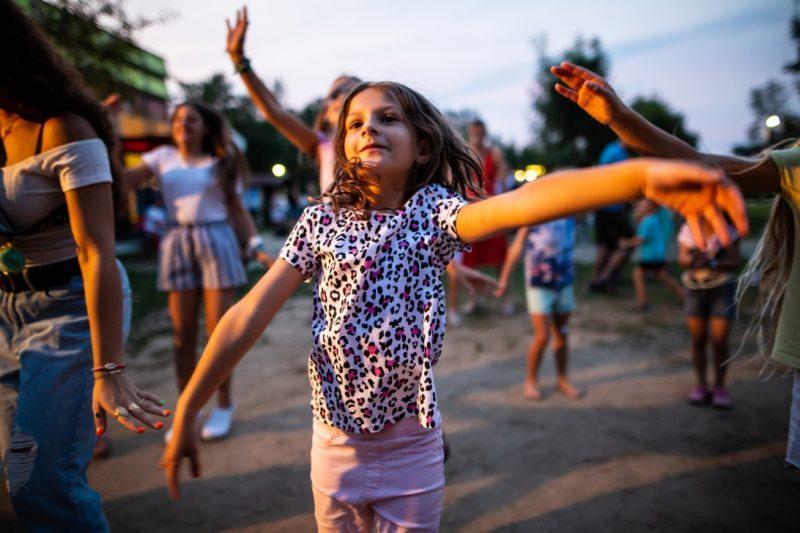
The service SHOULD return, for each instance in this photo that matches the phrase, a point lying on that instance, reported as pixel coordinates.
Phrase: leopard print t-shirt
(379, 307)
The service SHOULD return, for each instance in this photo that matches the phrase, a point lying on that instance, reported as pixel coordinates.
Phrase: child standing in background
(652, 238)
(549, 275)
(710, 281)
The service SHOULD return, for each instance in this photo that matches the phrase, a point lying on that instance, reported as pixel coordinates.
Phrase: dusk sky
(701, 56)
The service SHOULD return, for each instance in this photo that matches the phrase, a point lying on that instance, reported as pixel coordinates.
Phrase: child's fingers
(125, 418)
(228, 25)
(567, 93)
(696, 228)
(99, 420)
(566, 77)
(732, 202)
(194, 463)
(172, 473)
(718, 224)
(580, 72)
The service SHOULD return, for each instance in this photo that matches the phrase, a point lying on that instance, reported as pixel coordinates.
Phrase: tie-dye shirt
(548, 254)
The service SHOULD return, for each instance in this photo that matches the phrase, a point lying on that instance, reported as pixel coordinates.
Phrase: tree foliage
(96, 36)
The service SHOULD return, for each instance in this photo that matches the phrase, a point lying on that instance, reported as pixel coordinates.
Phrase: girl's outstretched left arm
(696, 192)
(237, 331)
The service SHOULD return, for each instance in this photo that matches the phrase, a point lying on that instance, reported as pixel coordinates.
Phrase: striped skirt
(202, 256)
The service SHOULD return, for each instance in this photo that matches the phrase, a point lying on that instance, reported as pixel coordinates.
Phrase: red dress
(491, 252)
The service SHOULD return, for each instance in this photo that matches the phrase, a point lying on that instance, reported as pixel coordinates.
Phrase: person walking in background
(491, 252)
(200, 178)
(549, 273)
(651, 242)
(611, 224)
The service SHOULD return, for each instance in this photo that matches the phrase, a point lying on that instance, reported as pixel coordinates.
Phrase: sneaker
(218, 424)
(455, 319)
(168, 433)
(699, 396)
(721, 399)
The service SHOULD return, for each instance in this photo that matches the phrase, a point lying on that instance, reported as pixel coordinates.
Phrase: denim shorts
(544, 301)
(204, 256)
(717, 302)
(793, 448)
(46, 426)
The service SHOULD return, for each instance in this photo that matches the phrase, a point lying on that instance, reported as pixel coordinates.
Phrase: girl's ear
(423, 152)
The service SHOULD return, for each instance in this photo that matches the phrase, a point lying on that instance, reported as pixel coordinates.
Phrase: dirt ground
(630, 456)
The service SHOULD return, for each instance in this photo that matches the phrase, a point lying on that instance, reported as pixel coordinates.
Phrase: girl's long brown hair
(37, 84)
(450, 161)
(770, 265)
(217, 142)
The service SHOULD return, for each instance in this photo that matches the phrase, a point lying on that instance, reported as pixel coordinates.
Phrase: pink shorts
(387, 481)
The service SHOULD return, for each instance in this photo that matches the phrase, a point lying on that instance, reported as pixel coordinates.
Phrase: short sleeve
(788, 163)
(445, 209)
(78, 164)
(157, 159)
(298, 250)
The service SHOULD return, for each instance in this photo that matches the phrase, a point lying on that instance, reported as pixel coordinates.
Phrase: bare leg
(561, 349)
(541, 336)
(183, 311)
(641, 288)
(216, 303)
(719, 344)
(697, 329)
(671, 283)
(601, 258)
(615, 264)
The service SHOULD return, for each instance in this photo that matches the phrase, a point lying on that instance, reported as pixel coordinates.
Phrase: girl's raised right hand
(588, 90)
(183, 443)
(236, 35)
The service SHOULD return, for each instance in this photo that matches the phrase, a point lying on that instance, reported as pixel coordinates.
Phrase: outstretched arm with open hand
(237, 331)
(696, 192)
(596, 96)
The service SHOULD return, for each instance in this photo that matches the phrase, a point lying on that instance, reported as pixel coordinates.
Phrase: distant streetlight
(278, 170)
(773, 121)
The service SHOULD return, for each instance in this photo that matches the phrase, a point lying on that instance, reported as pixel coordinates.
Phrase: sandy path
(629, 456)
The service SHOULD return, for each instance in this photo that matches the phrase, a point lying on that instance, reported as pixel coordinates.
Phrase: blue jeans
(793, 447)
(47, 432)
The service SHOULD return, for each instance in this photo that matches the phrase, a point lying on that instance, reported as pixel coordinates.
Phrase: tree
(96, 36)
(564, 135)
(657, 111)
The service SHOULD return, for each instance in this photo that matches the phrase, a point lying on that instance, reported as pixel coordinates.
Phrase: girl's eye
(389, 118)
(354, 124)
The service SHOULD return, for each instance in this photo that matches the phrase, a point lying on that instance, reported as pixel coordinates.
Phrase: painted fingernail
(100, 432)
(167, 412)
(159, 425)
(140, 429)
(162, 402)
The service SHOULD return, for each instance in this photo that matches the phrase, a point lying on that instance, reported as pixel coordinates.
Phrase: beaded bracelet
(108, 367)
(109, 373)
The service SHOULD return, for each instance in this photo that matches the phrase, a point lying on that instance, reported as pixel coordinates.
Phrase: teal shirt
(651, 231)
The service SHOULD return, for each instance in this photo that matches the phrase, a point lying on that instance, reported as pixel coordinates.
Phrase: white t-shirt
(33, 188)
(192, 192)
(379, 307)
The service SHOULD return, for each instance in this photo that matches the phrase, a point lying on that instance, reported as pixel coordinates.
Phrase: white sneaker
(454, 319)
(168, 433)
(218, 424)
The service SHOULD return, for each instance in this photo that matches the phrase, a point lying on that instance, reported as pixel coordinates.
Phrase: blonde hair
(769, 267)
(451, 163)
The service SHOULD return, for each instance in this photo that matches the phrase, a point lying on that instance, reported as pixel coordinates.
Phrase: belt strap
(39, 278)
